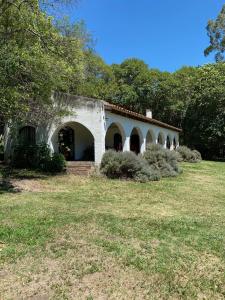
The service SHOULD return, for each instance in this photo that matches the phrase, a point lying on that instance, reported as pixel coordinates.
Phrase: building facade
(94, 126)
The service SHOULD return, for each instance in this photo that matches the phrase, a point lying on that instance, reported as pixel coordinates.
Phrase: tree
(216, 33)
(204, 123)
(35, 59)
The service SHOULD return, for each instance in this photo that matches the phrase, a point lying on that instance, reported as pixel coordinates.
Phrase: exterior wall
(90, 114)
(90, 122)
(143, 128)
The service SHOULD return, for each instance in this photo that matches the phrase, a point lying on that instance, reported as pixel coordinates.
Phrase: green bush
(189, 155)
(56, 164)
(37, 157)
(162, 160)
(26, 156)
(127, 165)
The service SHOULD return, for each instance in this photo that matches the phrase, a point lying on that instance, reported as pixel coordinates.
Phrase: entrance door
(66, 142)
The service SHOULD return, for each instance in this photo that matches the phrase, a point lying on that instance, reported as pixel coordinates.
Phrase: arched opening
(161, 139)
(168, 144)
(114, 138)
(66, 142)
(150, 138)
(27, 135)
(74, 141)
(174, 143)
(135, 141)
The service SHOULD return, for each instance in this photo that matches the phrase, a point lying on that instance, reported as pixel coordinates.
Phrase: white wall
(128, 124)
(91, 114)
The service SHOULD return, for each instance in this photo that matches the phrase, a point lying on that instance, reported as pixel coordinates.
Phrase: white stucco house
(93, 126)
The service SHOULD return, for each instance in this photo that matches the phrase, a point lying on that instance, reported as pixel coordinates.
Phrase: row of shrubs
(38, 157)
(188, 155)
(154, 164)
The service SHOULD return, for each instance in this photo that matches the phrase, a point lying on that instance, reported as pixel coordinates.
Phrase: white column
(126, 146)
(143, 146)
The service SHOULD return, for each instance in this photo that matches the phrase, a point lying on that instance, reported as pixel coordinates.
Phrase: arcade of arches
(76, 142)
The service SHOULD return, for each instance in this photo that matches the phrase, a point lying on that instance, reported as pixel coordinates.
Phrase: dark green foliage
(204, 124)
(35, 59)
(37, 157)
(56, 164)
(188, 155)
(26, 156)
(127, 165)
(162, 160)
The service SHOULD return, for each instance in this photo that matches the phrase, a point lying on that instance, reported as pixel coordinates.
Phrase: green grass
(67, 237)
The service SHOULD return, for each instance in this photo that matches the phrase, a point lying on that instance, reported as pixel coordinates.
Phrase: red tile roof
(130, 114)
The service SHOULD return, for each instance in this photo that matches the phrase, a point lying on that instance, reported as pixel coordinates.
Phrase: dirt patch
(53, 184)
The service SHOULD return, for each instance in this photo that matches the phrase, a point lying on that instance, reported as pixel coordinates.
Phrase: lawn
(68, 237)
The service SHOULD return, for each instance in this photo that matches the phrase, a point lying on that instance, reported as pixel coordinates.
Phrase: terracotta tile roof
(131, 114)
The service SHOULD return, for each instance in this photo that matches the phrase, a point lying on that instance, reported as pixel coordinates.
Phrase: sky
(166, 34)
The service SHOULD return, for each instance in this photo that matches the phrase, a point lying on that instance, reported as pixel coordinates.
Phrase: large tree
(35, 58)
(204, 123)
(216, 33)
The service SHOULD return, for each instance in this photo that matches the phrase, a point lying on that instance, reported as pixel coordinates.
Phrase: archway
(161, 139)
(74, 141)
(174, 143)
(27, 135)
(168, 143)
(135, 141)
(114, 138)
(66, 142)
(150, 139)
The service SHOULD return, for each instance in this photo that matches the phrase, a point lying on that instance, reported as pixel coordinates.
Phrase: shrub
(127, 165)
(162, 160)
(56, 164)
(37, 157)
(189, 155)
(197, 155)
(26, 156)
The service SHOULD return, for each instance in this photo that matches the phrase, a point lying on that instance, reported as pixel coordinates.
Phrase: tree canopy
(40, 54)
(35, 58)
(216, 33)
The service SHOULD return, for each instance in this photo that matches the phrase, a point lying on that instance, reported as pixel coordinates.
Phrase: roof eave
(139, 117)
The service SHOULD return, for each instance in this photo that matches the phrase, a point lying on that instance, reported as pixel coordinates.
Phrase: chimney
(149, 113)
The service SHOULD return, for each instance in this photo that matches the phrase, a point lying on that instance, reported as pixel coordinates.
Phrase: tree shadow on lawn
(8, 175)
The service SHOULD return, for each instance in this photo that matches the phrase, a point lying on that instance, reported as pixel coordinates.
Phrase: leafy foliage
(216, 33)
(35, 58)
(162, 160)
(127, 165)
(204, 123)
(37, 157)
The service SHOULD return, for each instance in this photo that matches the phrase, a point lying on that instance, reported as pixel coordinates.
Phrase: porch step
(82, 168)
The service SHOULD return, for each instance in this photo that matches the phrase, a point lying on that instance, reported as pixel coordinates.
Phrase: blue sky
(166, 34)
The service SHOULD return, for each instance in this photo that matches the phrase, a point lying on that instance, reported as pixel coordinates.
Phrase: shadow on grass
(8, 175)
(6, 185)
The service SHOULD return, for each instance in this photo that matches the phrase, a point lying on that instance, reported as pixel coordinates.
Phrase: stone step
(82, 168)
